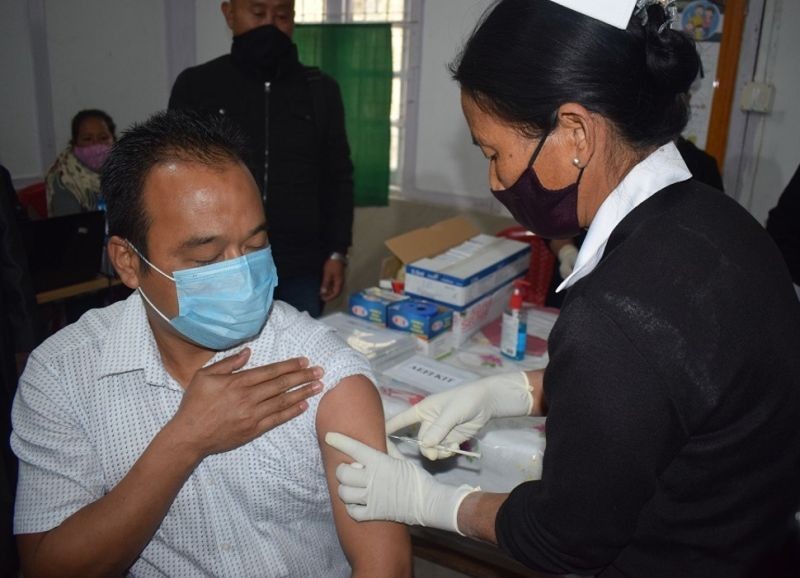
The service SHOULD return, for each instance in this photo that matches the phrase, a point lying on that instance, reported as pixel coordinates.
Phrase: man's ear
(125, 261)
(227, 12)
(581, 131)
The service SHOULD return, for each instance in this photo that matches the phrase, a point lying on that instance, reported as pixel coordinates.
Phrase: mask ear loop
(580, 175)
(538, 148)
(139, 289)
(143, 258)
(153, 307)
(547, 132)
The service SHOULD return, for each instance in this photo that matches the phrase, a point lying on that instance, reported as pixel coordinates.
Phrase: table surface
(467, 556)
(84, 288)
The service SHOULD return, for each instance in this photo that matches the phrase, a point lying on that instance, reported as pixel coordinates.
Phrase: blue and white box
(420, 318)
(371, 304)
(468, 272)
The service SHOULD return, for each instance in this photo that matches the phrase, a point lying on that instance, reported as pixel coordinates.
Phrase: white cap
(617, 13)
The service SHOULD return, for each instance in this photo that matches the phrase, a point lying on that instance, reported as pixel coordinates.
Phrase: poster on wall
(703, 20)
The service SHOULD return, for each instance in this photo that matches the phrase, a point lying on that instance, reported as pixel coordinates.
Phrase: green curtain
(359, 57)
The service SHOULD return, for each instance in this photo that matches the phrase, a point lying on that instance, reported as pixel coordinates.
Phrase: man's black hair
(175, 135)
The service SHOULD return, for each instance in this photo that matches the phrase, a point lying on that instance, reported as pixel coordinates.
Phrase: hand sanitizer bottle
(514, 333)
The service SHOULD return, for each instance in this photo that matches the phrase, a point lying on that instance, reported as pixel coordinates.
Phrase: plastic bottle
(105, 264)
(514, 330)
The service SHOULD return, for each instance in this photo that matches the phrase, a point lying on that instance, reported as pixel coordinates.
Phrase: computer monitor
(64, 250)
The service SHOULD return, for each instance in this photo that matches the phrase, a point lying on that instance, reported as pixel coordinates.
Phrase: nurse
(673, 390)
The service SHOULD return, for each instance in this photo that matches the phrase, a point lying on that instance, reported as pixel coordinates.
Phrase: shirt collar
(131, 346)
(662, 168)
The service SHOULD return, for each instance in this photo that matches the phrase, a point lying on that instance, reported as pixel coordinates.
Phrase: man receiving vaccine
(175, 433)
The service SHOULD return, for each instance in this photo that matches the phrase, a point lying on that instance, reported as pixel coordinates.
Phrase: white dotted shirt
(94, 395)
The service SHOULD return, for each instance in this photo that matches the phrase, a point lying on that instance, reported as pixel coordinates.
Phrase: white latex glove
(452, 417)
(379, 487)
(567, 255)
(392, 449)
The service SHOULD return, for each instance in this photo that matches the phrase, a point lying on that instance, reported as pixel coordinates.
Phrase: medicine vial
(514, 330)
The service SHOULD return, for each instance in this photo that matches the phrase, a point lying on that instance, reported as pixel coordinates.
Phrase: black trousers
(9, 561)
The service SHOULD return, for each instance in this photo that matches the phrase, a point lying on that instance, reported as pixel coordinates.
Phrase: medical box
(468, 320)
(419, 317)
(372, 303)
(440, 346)
(453, 264)
(468, 272)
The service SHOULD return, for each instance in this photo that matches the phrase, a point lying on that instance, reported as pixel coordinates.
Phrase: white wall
(213, 35)
(19, 141)
(107, 55)
(761, 158)
(446, 159)
(112, 54)
(771, 149)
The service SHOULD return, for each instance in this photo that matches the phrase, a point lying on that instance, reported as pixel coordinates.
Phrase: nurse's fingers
(403, 419)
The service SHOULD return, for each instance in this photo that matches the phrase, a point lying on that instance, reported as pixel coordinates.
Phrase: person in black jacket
(783, 224)
(672, 392)
(702, 165)
(299, 155)
(18, 333)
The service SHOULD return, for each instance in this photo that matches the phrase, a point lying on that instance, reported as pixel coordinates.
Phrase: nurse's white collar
(662, 168)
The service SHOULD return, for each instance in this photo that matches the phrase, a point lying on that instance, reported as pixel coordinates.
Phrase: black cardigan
(673, 431)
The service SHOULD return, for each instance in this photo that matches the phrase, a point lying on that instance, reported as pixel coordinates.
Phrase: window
(398, 12)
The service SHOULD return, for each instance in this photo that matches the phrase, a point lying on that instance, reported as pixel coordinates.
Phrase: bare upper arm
(354, 408)
(27, 545)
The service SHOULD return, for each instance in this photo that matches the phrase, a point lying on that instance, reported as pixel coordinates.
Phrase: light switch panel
(758, 97)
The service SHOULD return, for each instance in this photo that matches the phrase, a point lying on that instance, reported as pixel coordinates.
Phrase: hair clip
(669, 7)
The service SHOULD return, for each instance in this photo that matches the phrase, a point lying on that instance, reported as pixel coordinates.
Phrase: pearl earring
(577, 162)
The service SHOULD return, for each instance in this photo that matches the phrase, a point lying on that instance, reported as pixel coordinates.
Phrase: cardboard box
(436, 348)
(426, 242)
(372, 303)
(451, 263)
(469, 271)
(471, 319)
(419, 317)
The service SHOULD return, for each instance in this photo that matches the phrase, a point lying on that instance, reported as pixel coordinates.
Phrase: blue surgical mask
(222, 304)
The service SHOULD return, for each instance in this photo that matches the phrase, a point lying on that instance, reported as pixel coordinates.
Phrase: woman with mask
(672, 393)
(73, 182)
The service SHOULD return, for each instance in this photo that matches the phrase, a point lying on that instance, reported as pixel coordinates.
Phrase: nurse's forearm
(477, 514)
(536, 380)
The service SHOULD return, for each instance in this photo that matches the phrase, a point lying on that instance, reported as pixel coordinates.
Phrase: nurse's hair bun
(671, 56)
(526, 58)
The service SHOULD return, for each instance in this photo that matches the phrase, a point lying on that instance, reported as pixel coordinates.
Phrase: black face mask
(264, 49)
(552, 214)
